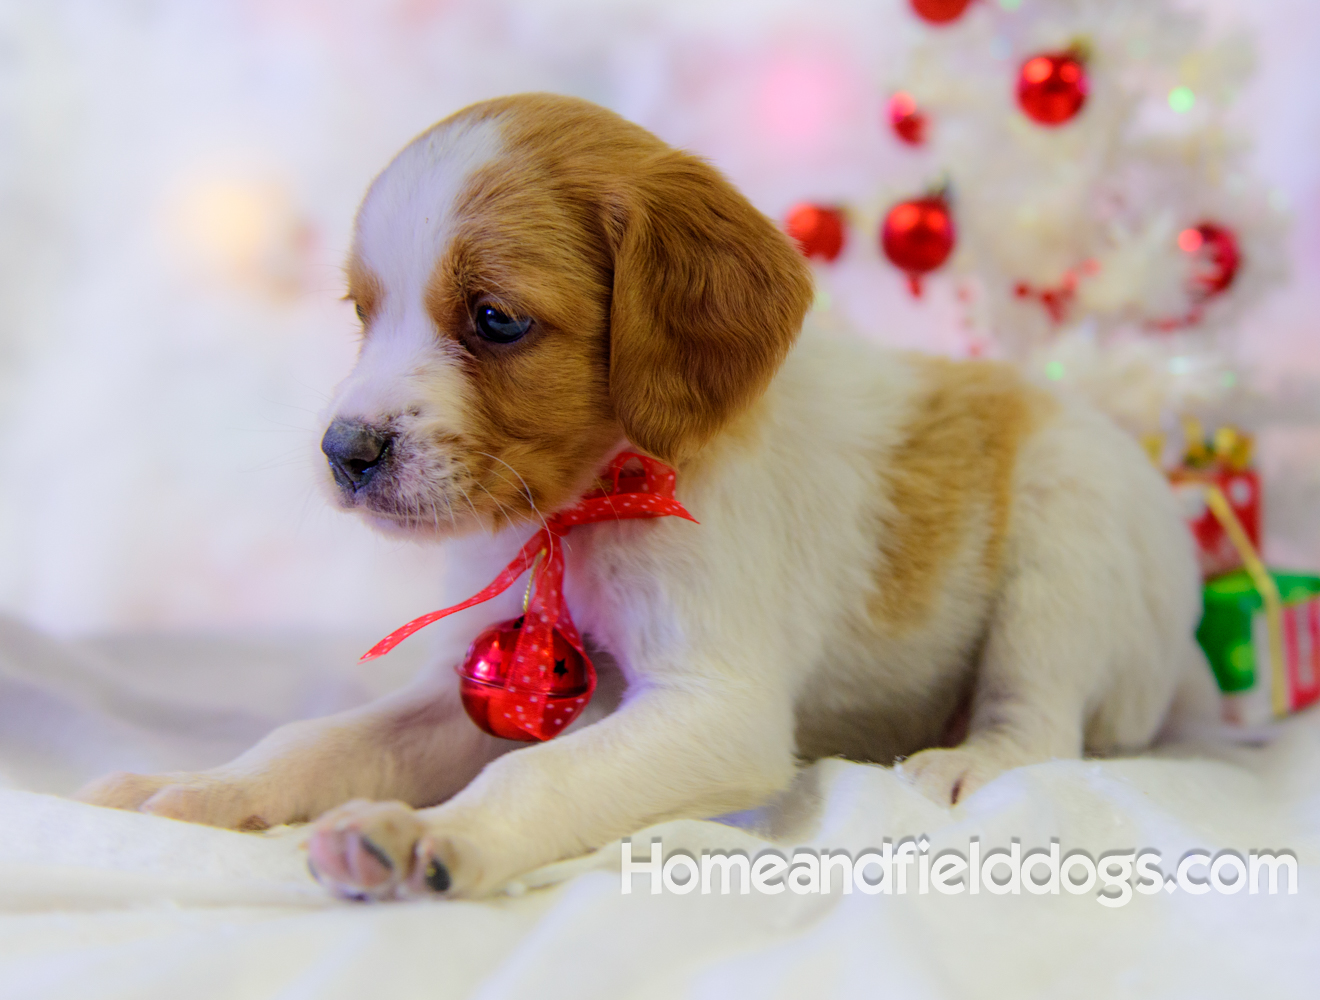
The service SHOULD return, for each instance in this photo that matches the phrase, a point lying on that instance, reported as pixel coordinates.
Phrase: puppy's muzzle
(355, 452)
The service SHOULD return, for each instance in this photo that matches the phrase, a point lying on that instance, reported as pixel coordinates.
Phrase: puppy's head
(538, 279)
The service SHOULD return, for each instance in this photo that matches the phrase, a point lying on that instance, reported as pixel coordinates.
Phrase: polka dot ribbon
(634, 486)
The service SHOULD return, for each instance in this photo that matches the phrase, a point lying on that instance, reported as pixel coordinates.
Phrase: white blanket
(96, 903)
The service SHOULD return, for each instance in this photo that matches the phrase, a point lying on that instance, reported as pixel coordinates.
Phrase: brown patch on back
(953, 465)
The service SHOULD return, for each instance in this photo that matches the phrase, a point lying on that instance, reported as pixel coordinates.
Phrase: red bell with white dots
(493, 707)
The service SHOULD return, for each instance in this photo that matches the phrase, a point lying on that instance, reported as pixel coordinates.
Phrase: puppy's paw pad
(375, 850)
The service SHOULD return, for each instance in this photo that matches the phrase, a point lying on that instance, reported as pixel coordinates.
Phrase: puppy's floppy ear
(708, 298)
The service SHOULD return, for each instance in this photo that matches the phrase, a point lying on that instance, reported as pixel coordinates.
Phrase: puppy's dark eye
(362, 313)
(498, 327)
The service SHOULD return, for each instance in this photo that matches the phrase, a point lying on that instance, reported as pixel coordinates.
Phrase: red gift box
(1241, 487)
(1222, 460)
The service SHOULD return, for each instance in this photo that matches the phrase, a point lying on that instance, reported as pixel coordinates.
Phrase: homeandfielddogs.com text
(911, 867)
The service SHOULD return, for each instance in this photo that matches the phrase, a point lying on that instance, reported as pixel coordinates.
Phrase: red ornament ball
(486, 668)
(908, 123)
(918, 236)
(1216, 258)
(1052, 87)
(818, 230)
(940, 11)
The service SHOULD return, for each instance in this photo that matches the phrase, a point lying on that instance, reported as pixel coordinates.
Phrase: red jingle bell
(940, 11)
(494, 708)
(529, 678)
(908, 123)
(918, 236)
(1052, 87)
(817, 230)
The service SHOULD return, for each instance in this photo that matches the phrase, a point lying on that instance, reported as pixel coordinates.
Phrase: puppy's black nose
(354, 452)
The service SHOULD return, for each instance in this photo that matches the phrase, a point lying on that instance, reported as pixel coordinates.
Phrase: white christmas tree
(1106, 232)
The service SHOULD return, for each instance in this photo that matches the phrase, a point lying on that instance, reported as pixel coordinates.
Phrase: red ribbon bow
(631, 494)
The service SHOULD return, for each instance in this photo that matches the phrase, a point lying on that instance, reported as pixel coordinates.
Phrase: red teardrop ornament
(908, 123)
(918, 236)
(1216, 258)
(1052, 87)
(817, 230)
(940, 11)
(498, 710)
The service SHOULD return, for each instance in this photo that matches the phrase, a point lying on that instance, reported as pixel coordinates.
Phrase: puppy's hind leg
(1091, 629)
(1035, 678)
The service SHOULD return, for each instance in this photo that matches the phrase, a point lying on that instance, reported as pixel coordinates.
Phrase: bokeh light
(1181, 99)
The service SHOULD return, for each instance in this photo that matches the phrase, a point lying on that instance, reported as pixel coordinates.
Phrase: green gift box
(1235, 634)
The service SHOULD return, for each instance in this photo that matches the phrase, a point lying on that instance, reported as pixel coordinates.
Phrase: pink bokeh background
(176, 201)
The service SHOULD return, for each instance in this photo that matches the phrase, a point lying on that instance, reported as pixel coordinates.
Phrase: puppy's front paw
(375, 850)
(946, 777)
(195, 798)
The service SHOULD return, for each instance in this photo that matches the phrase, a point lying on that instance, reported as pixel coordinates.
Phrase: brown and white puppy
(883, 537)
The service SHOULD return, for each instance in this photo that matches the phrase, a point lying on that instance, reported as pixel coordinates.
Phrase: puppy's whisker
(450, 508)
(503, 479)
(496, 500)
(526, 489)
(275, 427)
(508, 514)
(474, 508)
(294, 406)
(315, 390)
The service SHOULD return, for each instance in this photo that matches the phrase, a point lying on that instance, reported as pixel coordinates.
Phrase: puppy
(886, 543)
